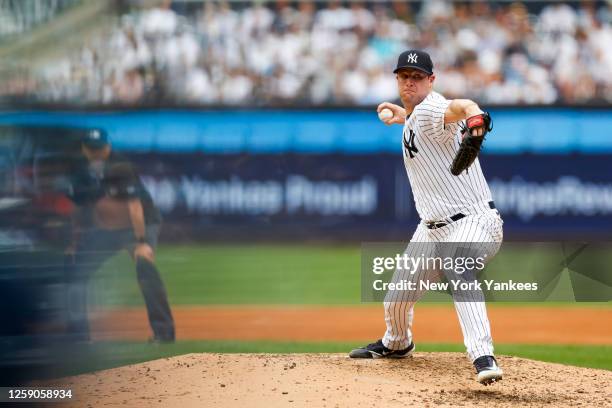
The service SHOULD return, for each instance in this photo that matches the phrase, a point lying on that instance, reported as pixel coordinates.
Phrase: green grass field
(241, 274)
(282, 274)
(271, 274)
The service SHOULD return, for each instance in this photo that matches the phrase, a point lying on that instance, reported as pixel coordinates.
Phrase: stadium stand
(305, 53)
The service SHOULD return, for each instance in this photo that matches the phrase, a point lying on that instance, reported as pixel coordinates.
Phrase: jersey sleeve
(429, 117)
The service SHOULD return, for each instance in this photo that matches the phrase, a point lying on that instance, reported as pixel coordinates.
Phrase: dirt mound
(331, 380)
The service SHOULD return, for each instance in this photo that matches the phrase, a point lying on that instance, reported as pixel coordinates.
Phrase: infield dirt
(511, 325)
(333, 380)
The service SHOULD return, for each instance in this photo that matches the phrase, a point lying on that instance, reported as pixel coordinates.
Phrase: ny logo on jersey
(412, 58)
(409, 144)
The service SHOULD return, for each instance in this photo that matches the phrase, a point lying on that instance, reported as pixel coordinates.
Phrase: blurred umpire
(114, 212)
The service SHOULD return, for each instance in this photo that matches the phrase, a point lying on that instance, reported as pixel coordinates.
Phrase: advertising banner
(538, 196)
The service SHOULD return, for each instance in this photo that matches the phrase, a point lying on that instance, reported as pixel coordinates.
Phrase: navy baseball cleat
(487, 370)
(378, 350)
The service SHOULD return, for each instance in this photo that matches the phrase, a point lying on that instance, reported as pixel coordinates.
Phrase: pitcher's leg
(473, 237)
(398, 319)
(399, 305)
(475, 327)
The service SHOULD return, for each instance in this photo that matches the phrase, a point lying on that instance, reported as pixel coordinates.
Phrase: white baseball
(385, 114)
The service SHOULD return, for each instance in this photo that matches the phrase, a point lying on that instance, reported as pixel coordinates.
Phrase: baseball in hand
(385, 114)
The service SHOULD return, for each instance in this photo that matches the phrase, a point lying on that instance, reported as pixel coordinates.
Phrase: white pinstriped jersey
(429, 147)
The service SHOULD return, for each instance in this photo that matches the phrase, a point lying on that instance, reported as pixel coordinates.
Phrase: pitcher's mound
(330, 380)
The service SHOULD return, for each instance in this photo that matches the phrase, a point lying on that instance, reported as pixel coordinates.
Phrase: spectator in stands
(282, 52)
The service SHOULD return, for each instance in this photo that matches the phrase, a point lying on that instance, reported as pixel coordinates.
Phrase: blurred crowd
(337, 52)
(17, 16)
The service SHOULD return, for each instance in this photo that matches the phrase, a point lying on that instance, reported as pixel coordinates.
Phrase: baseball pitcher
(441, 140)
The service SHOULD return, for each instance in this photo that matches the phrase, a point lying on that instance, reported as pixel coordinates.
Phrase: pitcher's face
(413, 85)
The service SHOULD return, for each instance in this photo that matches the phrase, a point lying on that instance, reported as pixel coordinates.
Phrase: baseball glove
(470, 146)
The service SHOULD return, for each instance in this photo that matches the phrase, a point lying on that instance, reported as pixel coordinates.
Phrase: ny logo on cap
(412, 58)
(95, 134)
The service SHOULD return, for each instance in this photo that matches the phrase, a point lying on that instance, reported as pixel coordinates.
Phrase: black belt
(452, 218)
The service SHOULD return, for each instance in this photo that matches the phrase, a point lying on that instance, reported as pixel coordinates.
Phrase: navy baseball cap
(95, 138)
(416, 59)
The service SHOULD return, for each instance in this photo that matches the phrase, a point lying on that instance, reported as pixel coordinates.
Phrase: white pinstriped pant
(484, 227)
